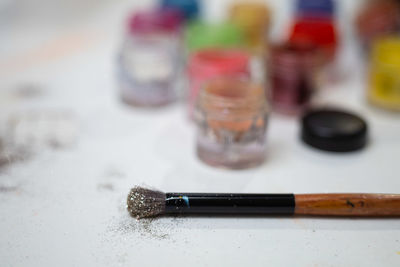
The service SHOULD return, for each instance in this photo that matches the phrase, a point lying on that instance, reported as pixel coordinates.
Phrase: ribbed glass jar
(231, 116)
(292, 76)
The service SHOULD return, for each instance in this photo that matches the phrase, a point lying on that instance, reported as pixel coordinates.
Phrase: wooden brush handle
(348, 204)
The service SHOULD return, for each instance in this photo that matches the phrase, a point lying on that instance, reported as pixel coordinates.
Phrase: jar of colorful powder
(231, 116)
(384, 80)
(314, 22)
(210, 63)
(150, 59)
(292, 76)
(254, 20)
(378, 19)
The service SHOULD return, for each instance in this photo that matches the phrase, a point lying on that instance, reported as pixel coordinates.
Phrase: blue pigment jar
(189, 8)
(315, 7)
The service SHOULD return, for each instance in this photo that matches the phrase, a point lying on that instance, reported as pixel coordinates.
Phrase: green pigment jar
(200, 35)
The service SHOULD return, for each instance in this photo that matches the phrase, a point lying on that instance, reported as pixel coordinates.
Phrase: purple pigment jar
(151, 60)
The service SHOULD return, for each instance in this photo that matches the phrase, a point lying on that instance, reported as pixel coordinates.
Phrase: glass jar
(231, 116)
(377, 19)
(150, 61)
(384, 85)
(210, 63)
(254, 19)
(291, 73)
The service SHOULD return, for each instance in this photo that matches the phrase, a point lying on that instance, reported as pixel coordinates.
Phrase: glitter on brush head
(143, 202)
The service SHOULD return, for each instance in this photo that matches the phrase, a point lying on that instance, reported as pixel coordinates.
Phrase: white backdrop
(66, 207)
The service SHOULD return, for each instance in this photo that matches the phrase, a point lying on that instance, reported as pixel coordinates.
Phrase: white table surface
(66, 207)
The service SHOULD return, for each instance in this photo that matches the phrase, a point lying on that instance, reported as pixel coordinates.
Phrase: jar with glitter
(384, 80)
(378, 19)
(292, 76)
(254, 20)
(150, 61)
(210, 63)
(231, 116)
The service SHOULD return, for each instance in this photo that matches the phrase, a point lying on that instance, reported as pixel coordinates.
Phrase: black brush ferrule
(235, 204)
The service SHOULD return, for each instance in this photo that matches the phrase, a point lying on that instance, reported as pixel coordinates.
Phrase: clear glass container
(292, 76)
(384, 76)
(151, 58)
(231, 117)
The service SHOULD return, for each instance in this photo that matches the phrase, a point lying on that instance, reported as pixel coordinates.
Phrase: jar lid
(190, 8)
(334, 130)
(149, 21)
(316, 7)
(200, 35)
(252, 14)
(313, 29)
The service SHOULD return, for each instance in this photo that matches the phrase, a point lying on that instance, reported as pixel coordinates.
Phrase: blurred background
(36, 33)
(60, 62)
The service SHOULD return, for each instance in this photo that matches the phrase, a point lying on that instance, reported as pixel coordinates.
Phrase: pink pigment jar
(150, 61)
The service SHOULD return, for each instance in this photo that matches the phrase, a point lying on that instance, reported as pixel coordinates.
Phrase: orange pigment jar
(231, 116)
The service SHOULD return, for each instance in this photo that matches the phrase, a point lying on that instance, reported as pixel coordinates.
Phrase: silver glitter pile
(144, 203)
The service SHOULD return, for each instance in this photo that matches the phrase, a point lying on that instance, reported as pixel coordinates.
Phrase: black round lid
(334, 130)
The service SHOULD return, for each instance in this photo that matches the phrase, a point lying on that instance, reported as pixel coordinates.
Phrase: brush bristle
(144, 203)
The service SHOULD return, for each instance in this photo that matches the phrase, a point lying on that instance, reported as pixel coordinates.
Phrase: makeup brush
(143, 203)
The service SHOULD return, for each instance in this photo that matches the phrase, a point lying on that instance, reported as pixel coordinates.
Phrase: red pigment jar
(210, 63)
(319, 31)
(377, 19)
(291, 71)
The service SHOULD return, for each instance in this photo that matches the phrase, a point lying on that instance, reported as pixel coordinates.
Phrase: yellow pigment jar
(254, 20)
(384, 87)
